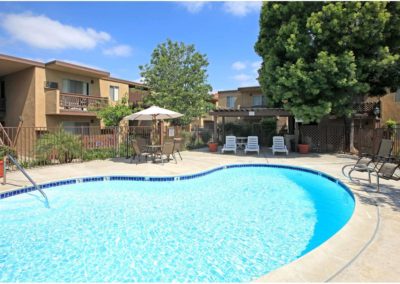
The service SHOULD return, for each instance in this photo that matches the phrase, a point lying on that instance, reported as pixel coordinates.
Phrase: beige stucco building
(56, 93)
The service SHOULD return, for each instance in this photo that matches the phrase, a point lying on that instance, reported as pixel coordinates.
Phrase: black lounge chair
(369, 163)
(389, 170)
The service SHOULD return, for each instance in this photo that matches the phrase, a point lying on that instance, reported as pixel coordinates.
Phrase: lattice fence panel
(311, 134)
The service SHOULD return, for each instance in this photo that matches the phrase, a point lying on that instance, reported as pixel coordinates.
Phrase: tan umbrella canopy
(153, 113)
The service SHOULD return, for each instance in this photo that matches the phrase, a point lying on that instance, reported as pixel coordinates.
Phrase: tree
(321, 57)
(113, 114)
(177, 78)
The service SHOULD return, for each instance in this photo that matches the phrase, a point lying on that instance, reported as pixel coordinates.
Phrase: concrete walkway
(377, 260)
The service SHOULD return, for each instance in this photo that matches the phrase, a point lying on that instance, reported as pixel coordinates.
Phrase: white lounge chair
(252, 145)
(230, 144)
(278, 145)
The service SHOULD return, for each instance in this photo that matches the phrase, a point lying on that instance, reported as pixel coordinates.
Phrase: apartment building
(246, 98)
(57, 93)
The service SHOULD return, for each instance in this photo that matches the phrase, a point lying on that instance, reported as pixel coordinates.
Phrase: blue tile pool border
(170, 178)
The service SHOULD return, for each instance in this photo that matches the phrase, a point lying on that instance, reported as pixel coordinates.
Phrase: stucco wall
(20, 97)
(58, 76)
(40, 97)
(243, 99)
(390, 109)
(105, 89)
(57, 120)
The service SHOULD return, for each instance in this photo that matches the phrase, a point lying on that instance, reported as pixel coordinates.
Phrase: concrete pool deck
(365, 250)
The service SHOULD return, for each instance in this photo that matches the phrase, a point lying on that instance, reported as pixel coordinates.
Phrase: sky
(119, 36)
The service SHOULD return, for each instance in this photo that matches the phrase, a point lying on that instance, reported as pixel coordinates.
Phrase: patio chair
(252, 145)
(230, 144)
(389, 170)
(177, 146)
(369, 163)
(138, 152)
(278, 145)
(142, 142)
(167, 151)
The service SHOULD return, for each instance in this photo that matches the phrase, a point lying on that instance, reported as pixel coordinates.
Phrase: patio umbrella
(153, 113)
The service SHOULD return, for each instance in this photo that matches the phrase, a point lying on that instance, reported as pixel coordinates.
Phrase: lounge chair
(138, 152)
(389, 170)
(167, 151)
(177, 146)
(230, 144)
(369, 163)
(278, 145)
(252, 145)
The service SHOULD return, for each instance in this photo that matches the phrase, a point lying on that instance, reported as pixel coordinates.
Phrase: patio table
(153, 150)
(241, 142)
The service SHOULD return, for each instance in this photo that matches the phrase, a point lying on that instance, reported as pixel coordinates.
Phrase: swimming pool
(234, 223)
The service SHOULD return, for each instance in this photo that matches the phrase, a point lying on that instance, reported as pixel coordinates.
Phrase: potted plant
(4, 150)
(391, 126)
(303, 147)
(212, 145)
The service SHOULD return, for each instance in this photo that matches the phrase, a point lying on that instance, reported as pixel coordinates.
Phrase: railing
(37, 146)
(365, 107)
(73, 102)
(15, 162)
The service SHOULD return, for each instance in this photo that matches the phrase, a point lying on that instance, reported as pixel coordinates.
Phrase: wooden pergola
(258, 112)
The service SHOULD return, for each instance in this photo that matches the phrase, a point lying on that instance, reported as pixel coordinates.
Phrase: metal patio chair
(369, 163)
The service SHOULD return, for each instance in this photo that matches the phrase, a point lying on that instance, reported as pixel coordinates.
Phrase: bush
(61, 145)
(268, 126)
(238, 129)
(98, 154)
(390, 123)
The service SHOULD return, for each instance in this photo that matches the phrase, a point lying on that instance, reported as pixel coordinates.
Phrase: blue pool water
(231, 225)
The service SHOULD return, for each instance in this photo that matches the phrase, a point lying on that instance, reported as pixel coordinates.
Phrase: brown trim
(251, 88)
(228, 91)
(73, 113)
(244, 112)
(21, 60)
(77, 67)
(112, 79)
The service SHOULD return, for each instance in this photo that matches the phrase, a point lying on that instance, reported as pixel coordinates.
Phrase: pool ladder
(18, 165)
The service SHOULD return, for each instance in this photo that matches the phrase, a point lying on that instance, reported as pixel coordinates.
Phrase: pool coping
(320, 264)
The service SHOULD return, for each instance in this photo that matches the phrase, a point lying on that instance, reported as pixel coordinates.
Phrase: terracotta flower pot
(303, 148)
(213, 147)
(1, 168)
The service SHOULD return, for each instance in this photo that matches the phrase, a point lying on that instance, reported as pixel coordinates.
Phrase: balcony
(73, 104)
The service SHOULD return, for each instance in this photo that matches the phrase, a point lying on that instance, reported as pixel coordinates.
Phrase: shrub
(269, 128)
(61, 145)
(98, 154)
(390, 123)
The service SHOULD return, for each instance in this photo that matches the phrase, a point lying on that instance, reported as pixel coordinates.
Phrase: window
(258, 100)
(75, 87)
(397, 96)
(230, 101)
(114, 93)
(76, 127)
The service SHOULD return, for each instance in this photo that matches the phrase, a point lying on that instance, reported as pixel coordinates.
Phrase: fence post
(127, 142)
(82, 143)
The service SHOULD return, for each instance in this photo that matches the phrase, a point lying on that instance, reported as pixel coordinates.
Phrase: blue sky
(118, 37)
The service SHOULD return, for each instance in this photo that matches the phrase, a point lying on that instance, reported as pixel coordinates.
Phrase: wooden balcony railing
(73, 102)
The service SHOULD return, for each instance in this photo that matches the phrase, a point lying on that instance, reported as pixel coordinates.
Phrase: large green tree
(113, 114)
(177, 78)
(321, 57)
